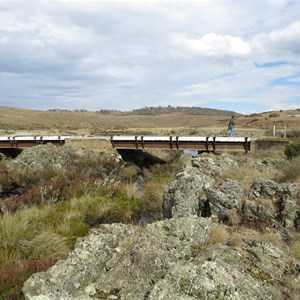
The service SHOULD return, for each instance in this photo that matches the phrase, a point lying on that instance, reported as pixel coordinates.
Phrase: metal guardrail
(140, 142)
(30, 141)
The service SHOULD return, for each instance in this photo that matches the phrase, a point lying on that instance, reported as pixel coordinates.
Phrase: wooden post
(274, 130)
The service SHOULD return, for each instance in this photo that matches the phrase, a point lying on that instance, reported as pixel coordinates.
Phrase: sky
(123, 55)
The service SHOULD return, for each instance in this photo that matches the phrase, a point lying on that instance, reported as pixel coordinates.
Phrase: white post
(274, 130)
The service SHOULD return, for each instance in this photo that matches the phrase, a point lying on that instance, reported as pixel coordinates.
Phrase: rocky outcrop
(185, 257)
(182, 196)
(214, 166)
(193, 192)
(222, 272)
(196, 191)
(273, 202)
(168, 259)
(42, 156)
(121, 261)
(221, 199)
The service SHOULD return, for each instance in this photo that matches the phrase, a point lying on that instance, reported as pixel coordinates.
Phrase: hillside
(184, 121)
(90, 226)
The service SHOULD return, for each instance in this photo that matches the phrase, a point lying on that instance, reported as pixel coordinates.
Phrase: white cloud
(128, 54)
(288, 38)
(213, 45)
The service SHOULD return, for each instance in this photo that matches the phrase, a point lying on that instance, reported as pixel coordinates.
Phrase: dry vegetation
(40, 223)
(21, 121)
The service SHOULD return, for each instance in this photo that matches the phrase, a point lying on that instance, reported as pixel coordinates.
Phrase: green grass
(41, 225)
(34, 238)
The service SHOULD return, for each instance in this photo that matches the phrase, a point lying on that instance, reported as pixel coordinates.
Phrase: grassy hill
(161, 121)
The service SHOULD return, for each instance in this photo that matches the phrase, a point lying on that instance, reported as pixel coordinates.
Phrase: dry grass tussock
(34, 238)
(295, 245)
(249, 170)
(218, 234)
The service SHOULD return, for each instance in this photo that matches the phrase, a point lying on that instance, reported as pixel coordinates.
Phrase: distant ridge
(160, 110)
(184, 109)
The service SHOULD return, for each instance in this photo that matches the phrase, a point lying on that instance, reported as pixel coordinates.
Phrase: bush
(294, 133)
(274, 115)
(293, 149)
(290, 171)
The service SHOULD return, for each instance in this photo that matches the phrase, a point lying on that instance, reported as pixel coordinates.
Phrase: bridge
(207, 144)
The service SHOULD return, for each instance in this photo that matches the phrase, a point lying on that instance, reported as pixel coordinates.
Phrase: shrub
(274, 115)
(290, 171)
(13, 275)
(294, 133)
(293, 149)
(7, 182)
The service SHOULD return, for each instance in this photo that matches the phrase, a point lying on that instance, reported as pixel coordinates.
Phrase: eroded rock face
(274, 202)
(195, 193)
(214, 166)
(165, 260)
(228, 195)
(120, 260)
(181, 197)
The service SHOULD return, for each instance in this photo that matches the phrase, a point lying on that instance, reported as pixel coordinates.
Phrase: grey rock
(118, 260)
(223, 276)
(228, 195)
(272, 201)
(181, 196)
(213, 166)
(297, 220)
(165, 260)
(42, 156)
(2, 156)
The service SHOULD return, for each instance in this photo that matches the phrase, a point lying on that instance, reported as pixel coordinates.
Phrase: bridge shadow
(140, 158)
(11, 152)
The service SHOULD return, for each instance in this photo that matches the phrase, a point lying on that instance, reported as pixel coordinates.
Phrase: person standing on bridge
(231, 126)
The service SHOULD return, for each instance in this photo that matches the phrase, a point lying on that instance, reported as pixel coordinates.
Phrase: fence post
(274, 130)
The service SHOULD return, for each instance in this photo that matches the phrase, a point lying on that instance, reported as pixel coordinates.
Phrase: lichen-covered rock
(120, 260)
(42, 156)
(222, 272)
(165, 260)
(272, 201)
(228, 195)
(181, 196)
(214, 166)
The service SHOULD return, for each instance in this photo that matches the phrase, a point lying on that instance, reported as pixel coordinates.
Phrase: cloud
(287, 39)
(129, 54)
(213, 45)
(280, 43)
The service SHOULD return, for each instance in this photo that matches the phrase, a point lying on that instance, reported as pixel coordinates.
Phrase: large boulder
(214, 166)
(273, 202)
(170, 259)
(120, 261)
(42, 156)
(181, 197)
(225, 197)
(221, 272)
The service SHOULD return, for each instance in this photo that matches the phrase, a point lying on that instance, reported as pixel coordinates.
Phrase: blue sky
(237, 55)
